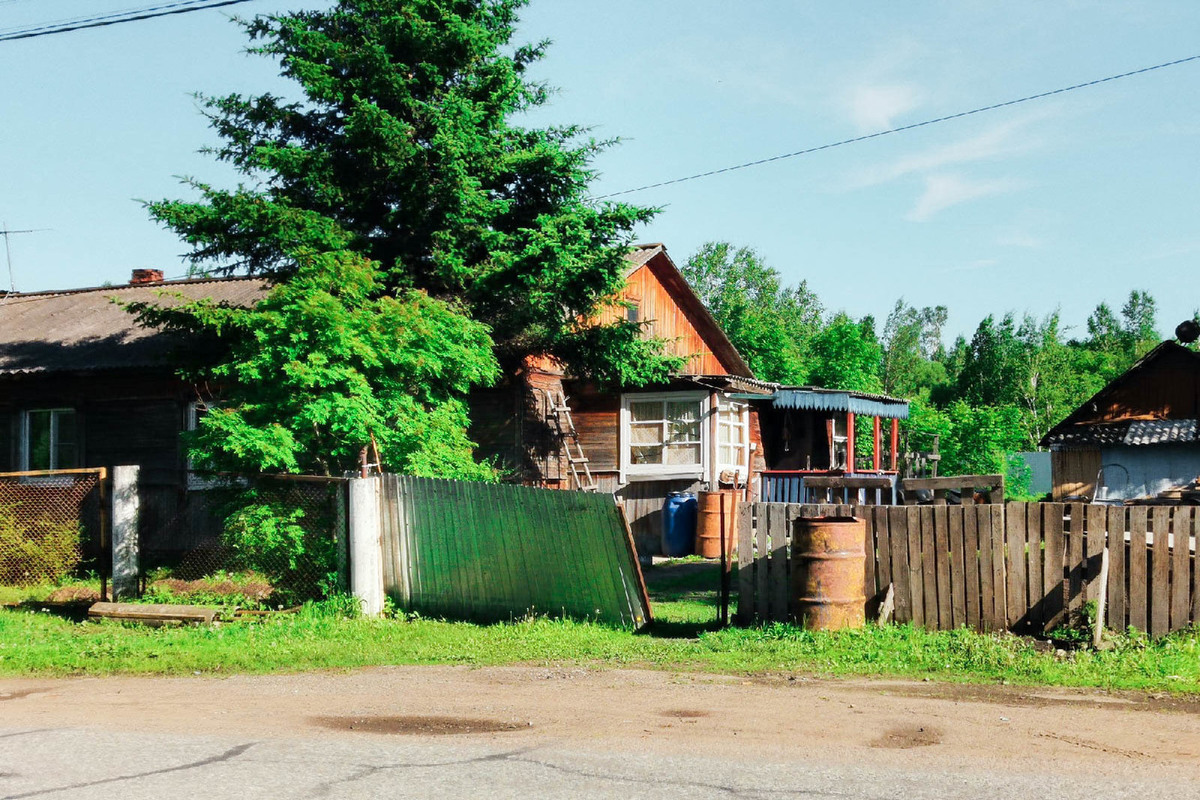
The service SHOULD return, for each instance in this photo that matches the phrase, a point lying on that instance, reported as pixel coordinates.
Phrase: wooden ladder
(569, 436)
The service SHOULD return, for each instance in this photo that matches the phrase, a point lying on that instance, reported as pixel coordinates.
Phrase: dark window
(49, 440)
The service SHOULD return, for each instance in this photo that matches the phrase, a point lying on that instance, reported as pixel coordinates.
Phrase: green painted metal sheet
(497, 552)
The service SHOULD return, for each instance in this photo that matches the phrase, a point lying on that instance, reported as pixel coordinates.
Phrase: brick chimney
(141, 276)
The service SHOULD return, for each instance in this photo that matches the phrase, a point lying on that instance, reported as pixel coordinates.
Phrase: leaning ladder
(569, 436)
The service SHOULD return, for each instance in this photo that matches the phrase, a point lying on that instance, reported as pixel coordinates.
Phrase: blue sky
(1055, 204)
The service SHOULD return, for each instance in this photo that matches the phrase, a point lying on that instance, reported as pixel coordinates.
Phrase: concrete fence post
(124, 531)
(366, 544)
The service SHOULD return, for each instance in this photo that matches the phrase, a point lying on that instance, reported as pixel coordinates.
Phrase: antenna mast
(12, 282)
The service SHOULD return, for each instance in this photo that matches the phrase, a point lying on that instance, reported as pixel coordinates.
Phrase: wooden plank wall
(1019, 566)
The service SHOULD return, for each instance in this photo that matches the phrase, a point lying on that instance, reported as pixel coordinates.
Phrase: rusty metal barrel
(712, 508)
(828, 559)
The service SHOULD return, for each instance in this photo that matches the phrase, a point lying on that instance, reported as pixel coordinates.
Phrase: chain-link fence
(266, 541)
(52, 528)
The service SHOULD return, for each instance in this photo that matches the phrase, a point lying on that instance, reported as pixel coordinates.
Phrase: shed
(1136, 439)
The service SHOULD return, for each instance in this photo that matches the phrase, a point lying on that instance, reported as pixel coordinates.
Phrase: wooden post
(895, 443)
(1102, 597)
(875, 431)
(849, 443)
(714, 449)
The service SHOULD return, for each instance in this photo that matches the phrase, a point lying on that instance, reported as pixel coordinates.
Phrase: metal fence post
(366, 546)
(124, 531)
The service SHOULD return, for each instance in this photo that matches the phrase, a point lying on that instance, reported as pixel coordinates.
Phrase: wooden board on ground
(155, 614)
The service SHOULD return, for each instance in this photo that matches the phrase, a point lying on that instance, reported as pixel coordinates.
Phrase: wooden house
(81, 385)
(1136, 439)
(696, 431)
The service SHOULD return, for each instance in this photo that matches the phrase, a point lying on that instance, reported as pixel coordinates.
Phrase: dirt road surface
(529, 732)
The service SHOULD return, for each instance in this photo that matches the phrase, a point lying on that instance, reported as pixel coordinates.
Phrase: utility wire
(901, 129)
(115, 19)
(58, 23)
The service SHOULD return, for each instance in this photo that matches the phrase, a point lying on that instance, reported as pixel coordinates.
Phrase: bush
(293, 547)
(37, 550)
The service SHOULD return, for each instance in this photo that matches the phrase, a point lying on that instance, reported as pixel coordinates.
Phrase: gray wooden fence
(1020, 566)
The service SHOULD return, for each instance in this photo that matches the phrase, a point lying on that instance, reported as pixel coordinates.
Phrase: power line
(901, 129)
(135, 15)
(58, 23)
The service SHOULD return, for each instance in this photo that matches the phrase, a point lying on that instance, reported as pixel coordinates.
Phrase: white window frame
(198, 483)
(54, 423)
(742, 424)
(661, 472)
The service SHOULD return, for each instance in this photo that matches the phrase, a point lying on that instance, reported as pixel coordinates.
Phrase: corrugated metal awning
(807, 399)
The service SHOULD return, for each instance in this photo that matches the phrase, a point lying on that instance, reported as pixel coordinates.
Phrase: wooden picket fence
(1019, 566)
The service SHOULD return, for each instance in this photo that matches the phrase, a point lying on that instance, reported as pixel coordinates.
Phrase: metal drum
(828, 559)
(709, 514)
(679, 524)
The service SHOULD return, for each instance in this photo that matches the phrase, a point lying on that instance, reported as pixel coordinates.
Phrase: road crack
(228, 755)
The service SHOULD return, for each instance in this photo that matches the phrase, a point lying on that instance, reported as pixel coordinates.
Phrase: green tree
(846, 355)
(771, 325)
(911, 343)
(396, 189)
(994, 367)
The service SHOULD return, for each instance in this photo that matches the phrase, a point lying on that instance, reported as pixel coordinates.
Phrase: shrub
(37, 550)
(292, 546)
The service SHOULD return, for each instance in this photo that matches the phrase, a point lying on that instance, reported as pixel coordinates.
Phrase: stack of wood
(1187, 494)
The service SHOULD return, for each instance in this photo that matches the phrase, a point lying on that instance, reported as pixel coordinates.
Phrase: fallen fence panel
(482, 551)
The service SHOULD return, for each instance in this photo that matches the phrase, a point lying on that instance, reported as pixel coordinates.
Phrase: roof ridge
(123, 286)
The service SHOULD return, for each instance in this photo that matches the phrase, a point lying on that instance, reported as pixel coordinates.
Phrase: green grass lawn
(685, 637)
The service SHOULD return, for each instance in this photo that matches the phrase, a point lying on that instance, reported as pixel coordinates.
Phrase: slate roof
(1165, 431)
(83, 329)
(640, 254)
(1102, 434)
(1135, 434)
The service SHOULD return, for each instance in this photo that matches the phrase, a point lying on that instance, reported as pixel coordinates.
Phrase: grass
(685, 637)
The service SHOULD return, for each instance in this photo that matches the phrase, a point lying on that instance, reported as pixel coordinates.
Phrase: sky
(1054, 204)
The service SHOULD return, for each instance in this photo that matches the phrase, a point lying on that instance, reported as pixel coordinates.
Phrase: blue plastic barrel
(679, 524)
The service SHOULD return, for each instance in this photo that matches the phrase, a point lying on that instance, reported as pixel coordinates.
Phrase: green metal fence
(496, 552)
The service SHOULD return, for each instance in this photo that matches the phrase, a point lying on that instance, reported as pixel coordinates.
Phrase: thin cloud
(876, 107)
(945, 191)
(973, 266)
(1018, 239)
(1004, 139)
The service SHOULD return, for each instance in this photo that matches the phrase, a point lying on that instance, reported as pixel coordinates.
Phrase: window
(838, 443)
(49, 439)
(664, 433)
(732, 435)
(197, 481)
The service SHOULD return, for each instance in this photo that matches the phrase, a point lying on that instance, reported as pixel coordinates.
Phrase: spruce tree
(418, 240)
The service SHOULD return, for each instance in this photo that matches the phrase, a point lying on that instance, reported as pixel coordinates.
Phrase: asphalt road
(516, 733)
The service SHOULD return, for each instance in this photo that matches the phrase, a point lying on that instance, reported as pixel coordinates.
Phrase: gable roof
(654, 256)
(84, 329)
(1137, 406)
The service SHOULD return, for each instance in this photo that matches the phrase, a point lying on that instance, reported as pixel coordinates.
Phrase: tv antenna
(6, 233)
